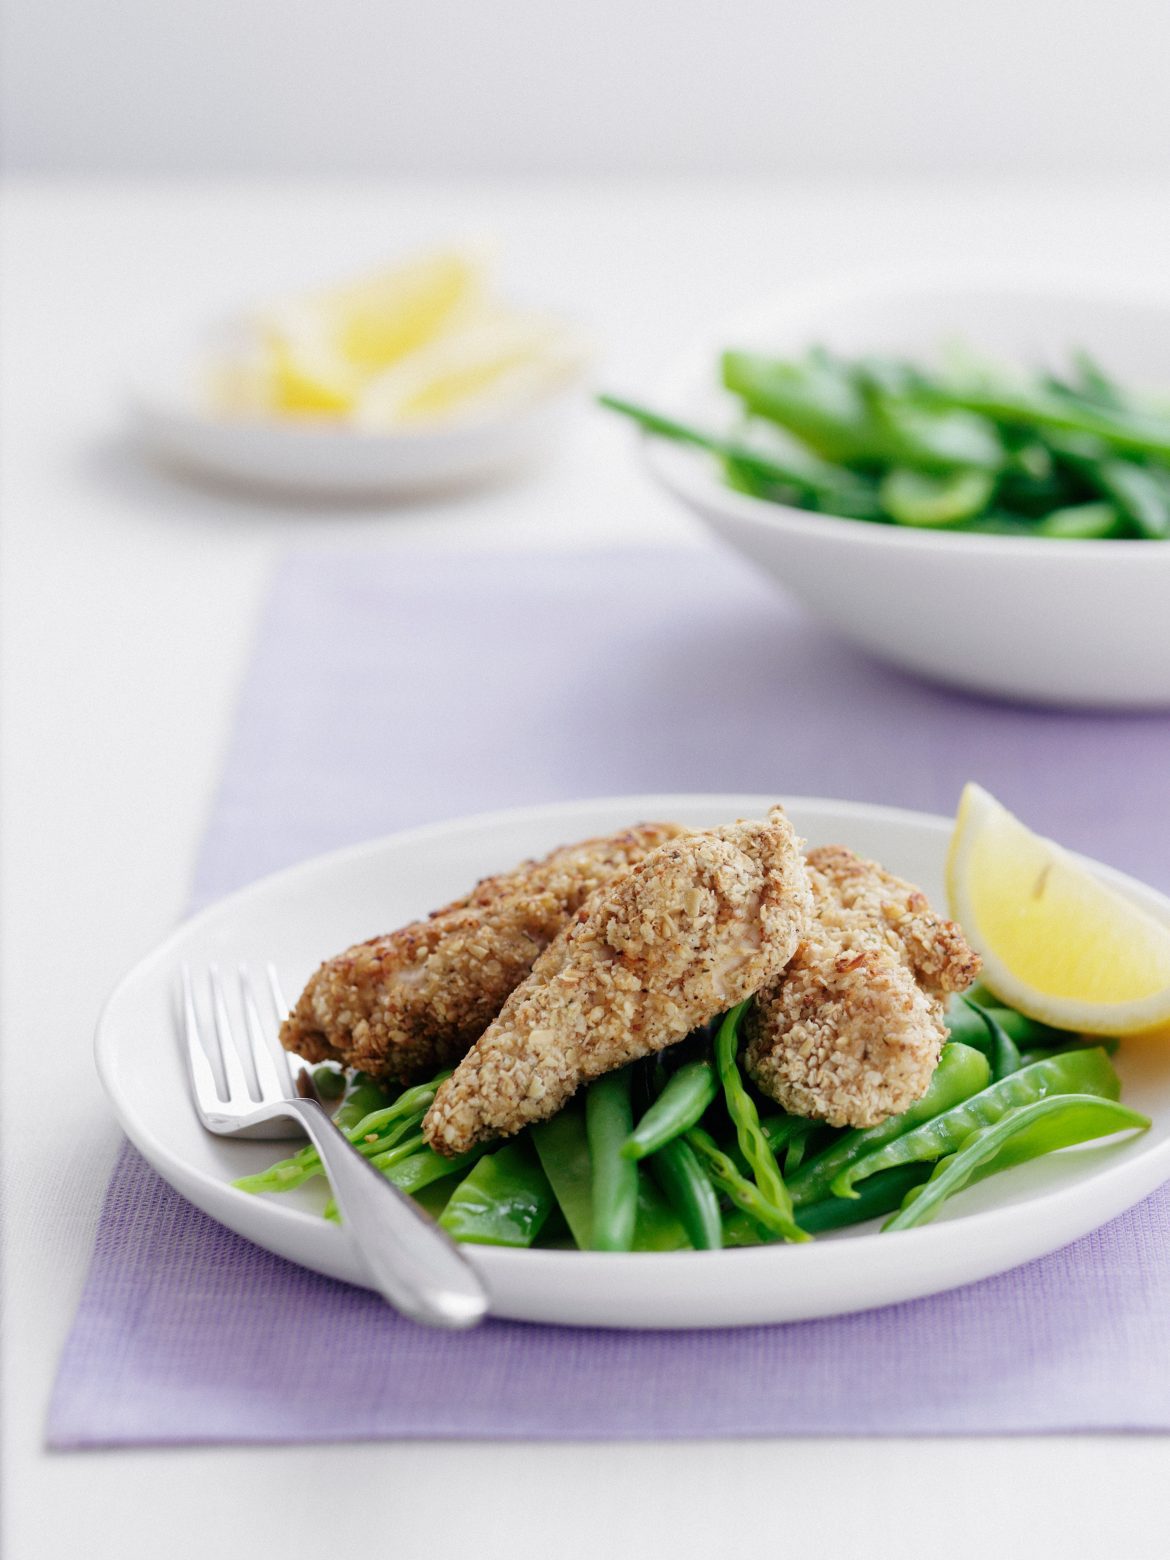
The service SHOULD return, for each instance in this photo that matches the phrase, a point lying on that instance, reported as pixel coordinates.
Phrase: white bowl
(1055, 622)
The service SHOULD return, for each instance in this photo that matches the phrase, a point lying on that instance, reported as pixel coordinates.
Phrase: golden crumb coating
(697, 926)
(410, 1002)
(851, 1031)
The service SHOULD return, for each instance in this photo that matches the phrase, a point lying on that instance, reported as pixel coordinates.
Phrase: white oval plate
(300, 916)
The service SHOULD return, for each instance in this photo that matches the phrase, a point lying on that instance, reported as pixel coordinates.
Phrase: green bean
(1057, 1121)
(689, 1192)
(745, 1194)
(504, 1200)
(825, 485)
(1127, 431)
(681, 1105)
(608, 1123)
(880, 1194)
(1024, 1030)
(961, 1072)
(753, 1144)
(1069, 1072)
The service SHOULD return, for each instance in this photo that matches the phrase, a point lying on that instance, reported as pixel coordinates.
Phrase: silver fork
(411, 1261)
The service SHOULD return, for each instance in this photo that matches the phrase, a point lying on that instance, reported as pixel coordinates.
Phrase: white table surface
(128, 601)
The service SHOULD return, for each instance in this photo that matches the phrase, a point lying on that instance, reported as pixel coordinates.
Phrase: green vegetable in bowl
(1074, 458)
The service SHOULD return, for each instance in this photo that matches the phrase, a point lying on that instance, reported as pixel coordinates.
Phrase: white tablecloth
(128, 601)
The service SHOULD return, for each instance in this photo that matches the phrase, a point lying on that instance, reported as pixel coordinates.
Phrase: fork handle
(411, 1261)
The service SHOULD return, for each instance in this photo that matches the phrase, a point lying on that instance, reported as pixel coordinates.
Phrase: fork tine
(203, 1080)
(278, 1001)
(239, 1088)
(272, 1072)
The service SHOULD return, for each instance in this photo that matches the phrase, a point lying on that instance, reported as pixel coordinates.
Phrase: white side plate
(301, 916)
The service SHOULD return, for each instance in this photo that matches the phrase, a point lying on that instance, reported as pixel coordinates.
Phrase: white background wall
(1064, 88)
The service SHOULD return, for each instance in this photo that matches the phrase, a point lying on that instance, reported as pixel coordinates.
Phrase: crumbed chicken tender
(851, 1031)
(697, 926)
(410, 1002)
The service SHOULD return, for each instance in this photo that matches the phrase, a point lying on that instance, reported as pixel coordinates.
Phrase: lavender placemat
(386, 691)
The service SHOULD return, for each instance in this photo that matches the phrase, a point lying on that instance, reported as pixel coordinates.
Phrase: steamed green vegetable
(701, 1169)
(608, 1123)
(681, 1105)
(961, 449)
(961, 1072)
(1069, 1072)
(1058, 1121)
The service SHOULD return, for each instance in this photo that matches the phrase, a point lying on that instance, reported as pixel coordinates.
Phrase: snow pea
(504, 1200)
(1024, 1132)
(1083, 522)
(961, 1072)
(1141, 494)
(996, 1044)
(933, 499)
(562, 1145)
(682, 1103)
(753, 1144)
(361, 1098)
(609, 1121)
(689, 1192)
(818, 402)
(849, 417)
(329, 1082)
(420, 1167)
(1069, 1072)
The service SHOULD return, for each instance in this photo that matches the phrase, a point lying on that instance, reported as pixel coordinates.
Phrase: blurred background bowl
(1082, 623)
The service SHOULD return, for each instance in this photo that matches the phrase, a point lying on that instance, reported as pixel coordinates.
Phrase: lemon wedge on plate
(1057, 943)
(487, 368)
(323, 349)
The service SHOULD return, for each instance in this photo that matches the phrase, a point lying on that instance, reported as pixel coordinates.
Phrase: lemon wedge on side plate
(322, 349)
(1057, 943)
(500, 362)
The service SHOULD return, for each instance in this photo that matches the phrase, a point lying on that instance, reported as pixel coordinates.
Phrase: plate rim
(822, 1257)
